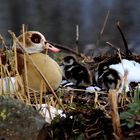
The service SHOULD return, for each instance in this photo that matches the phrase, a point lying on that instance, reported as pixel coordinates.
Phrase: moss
(3, 115)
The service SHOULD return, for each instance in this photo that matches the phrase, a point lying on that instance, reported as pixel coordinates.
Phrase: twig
(114, 47)
(127, 51)
(111, 45)
(77, 39)
(103, 28)
(120, 57)
(67, 49)
(114, 114)
(25, 64)
(18, 78)
(3, 42)
(105, 21)
(82, 90)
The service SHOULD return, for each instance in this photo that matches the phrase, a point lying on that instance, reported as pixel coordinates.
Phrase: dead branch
(127, 51)
(77, 39)
(114, 47)
(67, 49)
(114, 114)
(3, 43)
(103, 28)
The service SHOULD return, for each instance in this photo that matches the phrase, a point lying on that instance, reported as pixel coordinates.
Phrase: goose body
(35, 43)
(48, 67)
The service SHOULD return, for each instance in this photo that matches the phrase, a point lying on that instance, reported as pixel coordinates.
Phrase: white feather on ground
(49, 112)
(7, 85)
(92, 89)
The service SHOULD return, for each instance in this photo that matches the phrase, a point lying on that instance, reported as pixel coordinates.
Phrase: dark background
(57, 20)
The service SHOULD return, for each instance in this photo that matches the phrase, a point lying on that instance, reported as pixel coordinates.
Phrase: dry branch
(127, 51)
(103, 28)
(67, 49)
(114, 114)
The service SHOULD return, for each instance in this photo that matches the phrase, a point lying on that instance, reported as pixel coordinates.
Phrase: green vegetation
(132, 115)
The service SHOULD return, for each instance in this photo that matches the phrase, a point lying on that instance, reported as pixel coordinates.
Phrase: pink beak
(52, 48)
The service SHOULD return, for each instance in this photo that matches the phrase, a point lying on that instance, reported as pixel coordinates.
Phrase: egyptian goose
(35, 44)
(75, 72)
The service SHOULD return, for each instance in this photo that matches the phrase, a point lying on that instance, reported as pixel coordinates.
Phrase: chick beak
(51, 48)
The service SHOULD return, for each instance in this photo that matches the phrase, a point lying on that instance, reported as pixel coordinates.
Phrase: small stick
(18, 78)
(119, 53)
(114, 114)
(115, 48)
(111, 45)
(128, 52)
(82, 90)
(105, 21)
(77, 39)
(103, 28)
(2, 75)
(67, 49)
(25, 65)
(3, 42)
(16, 67)
(48, 108)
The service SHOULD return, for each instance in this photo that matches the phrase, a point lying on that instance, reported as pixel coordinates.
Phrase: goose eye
(36, 38)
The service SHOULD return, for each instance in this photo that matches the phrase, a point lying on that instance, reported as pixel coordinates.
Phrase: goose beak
(51, 48)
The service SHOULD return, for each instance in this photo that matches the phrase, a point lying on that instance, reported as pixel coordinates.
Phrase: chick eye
(36, 38)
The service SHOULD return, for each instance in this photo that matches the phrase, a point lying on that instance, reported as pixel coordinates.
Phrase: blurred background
(57, 20)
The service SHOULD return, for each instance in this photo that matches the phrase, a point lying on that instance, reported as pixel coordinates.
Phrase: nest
(88, 115)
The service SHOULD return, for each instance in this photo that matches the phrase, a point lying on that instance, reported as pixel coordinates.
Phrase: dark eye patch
(36, 38)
